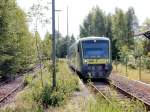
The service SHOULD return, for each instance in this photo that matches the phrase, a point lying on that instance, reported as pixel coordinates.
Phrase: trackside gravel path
(136, 88)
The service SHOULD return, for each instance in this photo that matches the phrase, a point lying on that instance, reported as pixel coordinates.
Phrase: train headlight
(85, 61)
(107, 61)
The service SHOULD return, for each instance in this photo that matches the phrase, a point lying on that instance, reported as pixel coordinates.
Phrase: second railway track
(106, 89)
(9, 88)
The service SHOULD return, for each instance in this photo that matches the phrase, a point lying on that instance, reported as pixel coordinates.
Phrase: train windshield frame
(95, 49)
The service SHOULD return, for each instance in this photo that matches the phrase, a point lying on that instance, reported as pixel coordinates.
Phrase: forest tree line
(120, 27)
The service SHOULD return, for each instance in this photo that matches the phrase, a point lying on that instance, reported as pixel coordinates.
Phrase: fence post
(126, 67)
(140, 69)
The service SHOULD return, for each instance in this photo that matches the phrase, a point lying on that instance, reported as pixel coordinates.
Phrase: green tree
(132, 25)
(86, 28)
(72, 40)
(94, 24)
(119, 27)
(15, 39)
(146, 43)
(109, 34)
(62, 45)
(47, 46)
(120, 32)
(37, 45)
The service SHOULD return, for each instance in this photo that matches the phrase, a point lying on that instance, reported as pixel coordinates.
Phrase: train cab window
(95, 49)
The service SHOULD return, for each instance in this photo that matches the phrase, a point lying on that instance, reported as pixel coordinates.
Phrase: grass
(133, 73)
(35, 98)
(101, 105)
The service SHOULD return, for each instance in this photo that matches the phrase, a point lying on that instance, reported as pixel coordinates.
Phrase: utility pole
(58, 26)
(58, 21)
(67, 32)
(53, 45)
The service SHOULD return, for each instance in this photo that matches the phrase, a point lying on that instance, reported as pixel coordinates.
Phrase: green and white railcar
(91, 57)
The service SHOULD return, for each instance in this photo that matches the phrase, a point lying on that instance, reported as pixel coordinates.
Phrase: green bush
(57, 96)
(52, 97)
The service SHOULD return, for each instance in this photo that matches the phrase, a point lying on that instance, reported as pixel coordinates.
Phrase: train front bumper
(96, 71)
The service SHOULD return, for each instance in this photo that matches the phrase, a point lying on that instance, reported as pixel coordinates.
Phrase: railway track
(130, 95)
(105, 89)
(8, 89)
(126, 89)
(10, 93)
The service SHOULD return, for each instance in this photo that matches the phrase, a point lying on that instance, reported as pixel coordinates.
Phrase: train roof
(89, 38)
(93, 38)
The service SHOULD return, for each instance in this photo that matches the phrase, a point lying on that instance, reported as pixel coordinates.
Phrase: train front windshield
(95, 49)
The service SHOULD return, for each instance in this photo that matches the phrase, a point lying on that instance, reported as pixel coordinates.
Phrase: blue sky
(78, 9)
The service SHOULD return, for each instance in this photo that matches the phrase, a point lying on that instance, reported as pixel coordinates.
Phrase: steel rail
(10, 93)
(19, 86)
(105, 97)
(121, 90)
(130, 94)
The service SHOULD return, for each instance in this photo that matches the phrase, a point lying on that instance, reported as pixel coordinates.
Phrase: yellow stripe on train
(95, 61)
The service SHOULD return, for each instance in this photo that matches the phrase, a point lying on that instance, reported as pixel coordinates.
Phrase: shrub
(52, 97)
